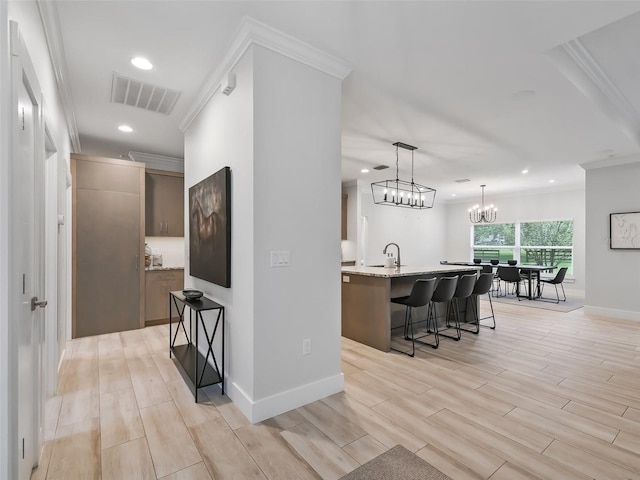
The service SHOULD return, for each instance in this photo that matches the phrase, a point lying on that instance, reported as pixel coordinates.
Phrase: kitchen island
(367, 313)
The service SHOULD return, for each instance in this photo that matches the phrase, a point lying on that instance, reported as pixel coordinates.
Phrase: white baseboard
(612, 312)
(257, 411)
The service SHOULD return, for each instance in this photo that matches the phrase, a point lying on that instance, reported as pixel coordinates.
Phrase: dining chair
(421, 294)
(555, 281)
(510, 276)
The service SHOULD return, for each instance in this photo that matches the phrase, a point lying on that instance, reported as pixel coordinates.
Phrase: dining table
(532, 270)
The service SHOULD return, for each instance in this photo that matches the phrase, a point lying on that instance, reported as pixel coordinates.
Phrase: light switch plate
(280, 258)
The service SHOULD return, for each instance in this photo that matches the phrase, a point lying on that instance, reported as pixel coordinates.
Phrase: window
(494, 241)
(538, 243)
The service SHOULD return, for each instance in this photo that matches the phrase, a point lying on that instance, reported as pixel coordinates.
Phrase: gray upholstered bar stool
(464, 288)
(444, 292)
(483, 286)
(420, 295)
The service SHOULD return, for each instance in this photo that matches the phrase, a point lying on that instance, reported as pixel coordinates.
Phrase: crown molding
(611, 162)
(158, 162)
(252, 32)
(579, 66)
(51, 23)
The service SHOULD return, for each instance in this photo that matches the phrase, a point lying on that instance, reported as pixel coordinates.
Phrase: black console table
(196, 365)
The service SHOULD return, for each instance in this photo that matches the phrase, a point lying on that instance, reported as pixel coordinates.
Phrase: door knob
(37, 303)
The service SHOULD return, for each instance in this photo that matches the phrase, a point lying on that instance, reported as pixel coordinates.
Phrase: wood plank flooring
(547, 395)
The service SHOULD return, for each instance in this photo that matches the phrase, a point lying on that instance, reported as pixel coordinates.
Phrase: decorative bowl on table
(495, 261)
(191, 294)
(477, 260)
(512, 262)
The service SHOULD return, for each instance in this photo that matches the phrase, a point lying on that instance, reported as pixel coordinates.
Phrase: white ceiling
(443, 76)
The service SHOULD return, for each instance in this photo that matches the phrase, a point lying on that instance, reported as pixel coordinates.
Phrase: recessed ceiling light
(551, 181)
(125, 128)
(364, 170)
(141, 63)
(453, 194)
(525, 171)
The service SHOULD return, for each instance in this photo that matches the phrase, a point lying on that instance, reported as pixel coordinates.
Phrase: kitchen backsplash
(171, 249)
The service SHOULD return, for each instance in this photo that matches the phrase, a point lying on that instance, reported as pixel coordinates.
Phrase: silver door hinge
(22, 118)
(24, 283)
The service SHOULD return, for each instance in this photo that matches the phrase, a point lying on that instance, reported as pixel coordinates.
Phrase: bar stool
(483, 285)
(464, 288)
(420, 295)
(443, 293)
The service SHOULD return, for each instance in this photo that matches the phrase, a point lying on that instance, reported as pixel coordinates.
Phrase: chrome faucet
(398, 262)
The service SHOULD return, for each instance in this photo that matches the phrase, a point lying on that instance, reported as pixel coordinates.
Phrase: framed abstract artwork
(210, 228)
(624, 230)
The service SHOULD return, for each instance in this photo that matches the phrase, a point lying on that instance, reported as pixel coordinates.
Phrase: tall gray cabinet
(108, 245)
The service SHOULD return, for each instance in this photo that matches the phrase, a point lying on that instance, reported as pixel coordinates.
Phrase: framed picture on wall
(210, 228)
(624, 230)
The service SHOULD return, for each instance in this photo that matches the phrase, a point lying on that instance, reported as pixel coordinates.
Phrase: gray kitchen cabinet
(343, 228)
(158, 284)
(108, 245)
(164, 204)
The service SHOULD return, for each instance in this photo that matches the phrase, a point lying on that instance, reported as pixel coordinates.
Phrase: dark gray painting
(210, 228)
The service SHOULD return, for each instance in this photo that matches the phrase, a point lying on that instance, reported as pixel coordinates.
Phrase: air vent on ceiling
(135, 93)
(462, 180)
(381, 167)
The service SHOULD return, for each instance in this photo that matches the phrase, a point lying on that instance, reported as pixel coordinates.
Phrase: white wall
(7, 431)
(419, 233)
(27, 16)
(532, 206)
(222, 135)
(612, 276)
(279, 131)
(297, 204)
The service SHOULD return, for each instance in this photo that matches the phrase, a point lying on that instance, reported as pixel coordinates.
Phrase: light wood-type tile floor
(546, 395)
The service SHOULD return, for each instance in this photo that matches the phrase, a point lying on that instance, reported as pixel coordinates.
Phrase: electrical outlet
(306, 346)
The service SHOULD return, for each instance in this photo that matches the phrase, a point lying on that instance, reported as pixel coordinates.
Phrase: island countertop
(406, 270)
(367, 311)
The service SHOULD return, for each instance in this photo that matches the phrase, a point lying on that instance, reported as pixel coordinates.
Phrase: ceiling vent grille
(462, 180)
(135, 93)
(381, 167)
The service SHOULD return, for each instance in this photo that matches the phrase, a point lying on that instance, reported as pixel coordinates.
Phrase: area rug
(396, 464)
(568, 306)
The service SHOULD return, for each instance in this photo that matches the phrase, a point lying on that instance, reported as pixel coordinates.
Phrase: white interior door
(28, 245)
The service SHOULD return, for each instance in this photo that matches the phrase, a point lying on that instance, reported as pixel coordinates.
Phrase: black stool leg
(452, 305)
(408, 323)
(434, 331)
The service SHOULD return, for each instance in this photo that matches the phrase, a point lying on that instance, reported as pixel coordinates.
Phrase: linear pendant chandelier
(401, 193)
(482, 214)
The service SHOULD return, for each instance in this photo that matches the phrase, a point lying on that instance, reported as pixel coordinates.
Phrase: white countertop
(406, 270)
